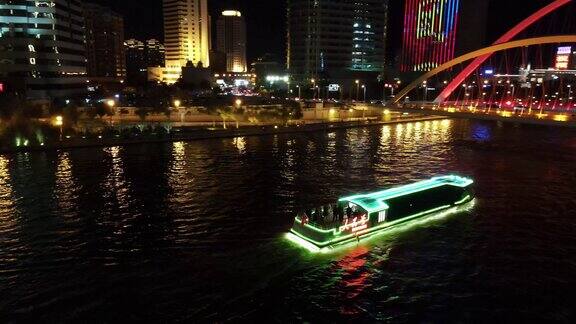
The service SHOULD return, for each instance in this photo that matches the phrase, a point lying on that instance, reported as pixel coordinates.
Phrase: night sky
(266, 20)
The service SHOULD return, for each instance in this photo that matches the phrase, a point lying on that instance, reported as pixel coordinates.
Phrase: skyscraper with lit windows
(336, 37)
(186, 32)
(231, 40)
(42, 47)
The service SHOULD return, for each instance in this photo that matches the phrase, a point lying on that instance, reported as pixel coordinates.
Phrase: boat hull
(370, 224)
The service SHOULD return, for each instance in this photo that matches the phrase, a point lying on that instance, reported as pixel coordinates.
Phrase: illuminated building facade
(186, 32)
(336, 37)
(106, 58)
(436, 31)
(563, 59)
(42, 47)
(231, 40)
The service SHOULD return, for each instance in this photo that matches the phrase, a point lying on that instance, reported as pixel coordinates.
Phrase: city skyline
(266, 21)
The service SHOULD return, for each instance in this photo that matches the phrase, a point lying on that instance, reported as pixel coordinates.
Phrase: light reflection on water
(185, 230)
(66, 188)
(6, 202)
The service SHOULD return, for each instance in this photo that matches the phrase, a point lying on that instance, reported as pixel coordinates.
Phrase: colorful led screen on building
(563, 57)
(429, 33)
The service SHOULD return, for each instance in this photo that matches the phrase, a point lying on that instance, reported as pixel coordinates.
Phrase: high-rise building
(42, 47)
(436, 31)
(140, 56)
(187, 32)
(154, 53)
(136, 68)
(231, 40)
(106, 59)
(337, 38)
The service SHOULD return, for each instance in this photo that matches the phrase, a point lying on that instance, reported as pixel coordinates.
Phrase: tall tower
(231, 40)
(187, 32)
(336, 38)
(435, 31)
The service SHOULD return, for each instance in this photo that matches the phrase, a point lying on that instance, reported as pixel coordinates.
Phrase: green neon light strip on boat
(370, 230)
(379, 197)
(463, 200)
(393, 226)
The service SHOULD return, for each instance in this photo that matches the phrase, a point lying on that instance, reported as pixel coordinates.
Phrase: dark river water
(194, 232)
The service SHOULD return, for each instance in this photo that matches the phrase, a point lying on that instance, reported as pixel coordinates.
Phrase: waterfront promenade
(185, 133)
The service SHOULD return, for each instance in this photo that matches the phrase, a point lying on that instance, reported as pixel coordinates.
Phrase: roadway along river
(193, 231)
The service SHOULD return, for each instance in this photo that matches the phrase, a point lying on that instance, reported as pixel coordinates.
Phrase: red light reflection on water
(354, 278)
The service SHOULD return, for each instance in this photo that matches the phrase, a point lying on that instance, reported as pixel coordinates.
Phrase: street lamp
(177, 103)
(299, 91)
(111, 103)
(357, 89)
(364, 87)
(238, 103)
(313, 81)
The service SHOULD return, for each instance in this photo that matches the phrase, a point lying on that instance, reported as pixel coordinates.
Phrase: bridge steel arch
(481, 52)
(445, 94)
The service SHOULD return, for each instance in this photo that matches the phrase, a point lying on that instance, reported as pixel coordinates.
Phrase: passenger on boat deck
(348, 212)
(340, 213)
(310, 214)
(330, 213)
(304, 217)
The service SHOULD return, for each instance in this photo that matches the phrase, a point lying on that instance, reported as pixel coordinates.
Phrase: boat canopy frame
(376, 201)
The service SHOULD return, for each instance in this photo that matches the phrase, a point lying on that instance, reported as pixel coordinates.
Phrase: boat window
(382, 216)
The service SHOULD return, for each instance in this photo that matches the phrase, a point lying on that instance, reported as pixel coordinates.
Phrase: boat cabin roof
(376, 201)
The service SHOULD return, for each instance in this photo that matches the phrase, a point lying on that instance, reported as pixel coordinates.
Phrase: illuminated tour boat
(359, 216)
